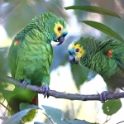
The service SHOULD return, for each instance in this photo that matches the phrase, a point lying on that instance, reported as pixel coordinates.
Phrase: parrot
(31, 54)
(105, 58)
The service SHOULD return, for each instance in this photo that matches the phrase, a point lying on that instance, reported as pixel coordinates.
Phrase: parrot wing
(114, 50)
(120, 64)
(12, 59)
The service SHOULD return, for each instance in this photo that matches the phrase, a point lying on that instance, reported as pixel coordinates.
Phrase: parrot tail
(30, 116)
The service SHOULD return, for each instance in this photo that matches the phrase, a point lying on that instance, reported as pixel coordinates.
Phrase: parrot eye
(77, 50)
(59, 28)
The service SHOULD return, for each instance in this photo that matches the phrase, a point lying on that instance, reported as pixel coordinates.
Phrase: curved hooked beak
(72, 59)
(61, 39)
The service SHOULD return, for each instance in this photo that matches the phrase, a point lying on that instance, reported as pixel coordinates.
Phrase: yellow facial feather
(80, 52)
(58, 28)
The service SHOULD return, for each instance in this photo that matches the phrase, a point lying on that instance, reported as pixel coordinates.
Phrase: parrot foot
(103, 96)
(45, 88)
(24, 83)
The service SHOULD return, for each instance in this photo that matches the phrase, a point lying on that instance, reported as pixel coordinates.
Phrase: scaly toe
(103, 96)
(24, 83)
(45, 88)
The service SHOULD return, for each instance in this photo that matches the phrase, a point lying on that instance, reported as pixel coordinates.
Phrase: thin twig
(5, 107)
(48, 118)
(107, 120)
(120, 122)
(63, 95)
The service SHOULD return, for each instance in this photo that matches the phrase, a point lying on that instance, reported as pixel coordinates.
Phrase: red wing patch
(16, 43)
(109, 53)
(34, 101)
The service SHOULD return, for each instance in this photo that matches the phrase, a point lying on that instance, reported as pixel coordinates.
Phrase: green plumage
(104, 57)
(31, 54)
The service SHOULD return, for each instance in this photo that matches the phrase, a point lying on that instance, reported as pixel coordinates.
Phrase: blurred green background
(16, 14)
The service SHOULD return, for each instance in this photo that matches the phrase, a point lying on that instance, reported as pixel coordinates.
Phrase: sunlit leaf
(17, 117)
(103, 28)
(31, 114)
(95, 9)
(111, 106)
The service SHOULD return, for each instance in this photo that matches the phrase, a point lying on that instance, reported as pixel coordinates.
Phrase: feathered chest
(37, 52)
(35, 59)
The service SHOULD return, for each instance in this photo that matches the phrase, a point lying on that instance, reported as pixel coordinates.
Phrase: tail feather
(14, 108)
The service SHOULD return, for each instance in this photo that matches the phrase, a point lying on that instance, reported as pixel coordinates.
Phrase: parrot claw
(103, 96)
(45, 88)
(24, 83)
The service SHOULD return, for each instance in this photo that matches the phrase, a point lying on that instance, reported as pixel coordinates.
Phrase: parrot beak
(61, 39)
(72, 59)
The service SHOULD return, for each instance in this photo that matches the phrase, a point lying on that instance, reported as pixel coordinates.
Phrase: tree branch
(64, 95)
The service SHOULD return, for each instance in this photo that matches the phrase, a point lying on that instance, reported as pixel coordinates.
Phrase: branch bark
(64, 95)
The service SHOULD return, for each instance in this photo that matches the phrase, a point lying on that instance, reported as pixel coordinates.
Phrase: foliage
(14, 10)
(105, 29)
(112, 106)
(95, 9)
(53, 115)
(3, 67)
(101, 27)
(80, 74)
(15, 119)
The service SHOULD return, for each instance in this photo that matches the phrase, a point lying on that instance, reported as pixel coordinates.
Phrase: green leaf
(95, 9)
(105, 29)
(111, 106)
(79, 74)
(76, 121)
(23, 106)
(31, 114)
(18, 116)
(54, 113)
(3, 118)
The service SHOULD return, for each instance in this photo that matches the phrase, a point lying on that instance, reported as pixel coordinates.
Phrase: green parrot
(31, 55)
(103, 57)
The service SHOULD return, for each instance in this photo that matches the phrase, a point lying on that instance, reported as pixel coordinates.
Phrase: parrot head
(55, 28)
(61, 30)
(76, 52)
